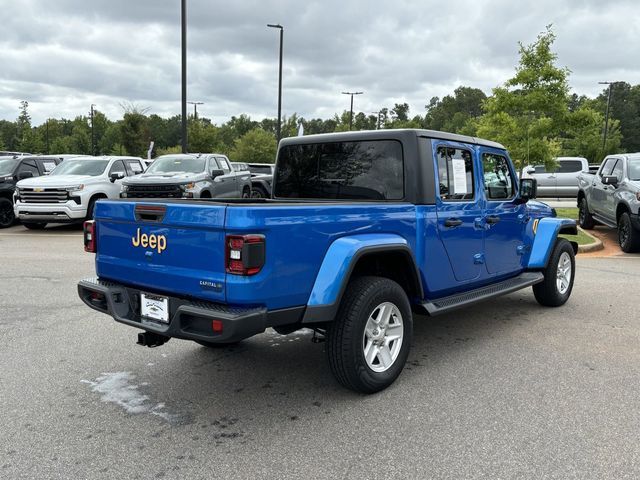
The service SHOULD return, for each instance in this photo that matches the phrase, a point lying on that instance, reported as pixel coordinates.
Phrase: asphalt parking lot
(507, 389)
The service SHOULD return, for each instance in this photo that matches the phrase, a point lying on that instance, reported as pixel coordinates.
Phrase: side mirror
(531, 171)
(23, 175)
(528, 189)
(216, 173)
(610, 180)
(116, 176)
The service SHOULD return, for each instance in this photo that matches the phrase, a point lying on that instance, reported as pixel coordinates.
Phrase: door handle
(492, 219)
(452, 222)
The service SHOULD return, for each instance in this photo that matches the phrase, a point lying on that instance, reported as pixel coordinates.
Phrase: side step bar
(604, 221)
(442, 305)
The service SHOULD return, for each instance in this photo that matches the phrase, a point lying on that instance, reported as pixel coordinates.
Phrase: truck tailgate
(176, 248)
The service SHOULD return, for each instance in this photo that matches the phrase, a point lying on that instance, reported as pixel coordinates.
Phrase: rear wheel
(7, 216)
(34, 226)
(258, 192)
(368, 342)
(246, 192)
(556, 287)
(628, 236)
(584, 217)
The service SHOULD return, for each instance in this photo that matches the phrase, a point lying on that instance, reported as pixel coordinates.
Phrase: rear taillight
(90, 236)
(245, 254)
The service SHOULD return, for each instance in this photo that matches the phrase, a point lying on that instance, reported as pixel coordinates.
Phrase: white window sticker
(459, 177)
(48, 166)
(135, 166)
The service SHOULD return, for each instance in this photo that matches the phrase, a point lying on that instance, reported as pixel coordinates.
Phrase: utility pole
(606, 117)
(351, 115)
(93, 136)
(195, 108)
(278, 126)
(184, 75)
(47, 135)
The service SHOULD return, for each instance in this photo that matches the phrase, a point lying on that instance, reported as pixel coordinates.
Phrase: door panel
(504, 220)
(458, 210)
(224, 185)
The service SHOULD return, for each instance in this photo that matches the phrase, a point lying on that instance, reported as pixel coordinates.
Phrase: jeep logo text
(153, 241)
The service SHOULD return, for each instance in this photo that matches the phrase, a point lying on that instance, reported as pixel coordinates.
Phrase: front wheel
(368, 342)
(628, 237)
(585, 219)
(246, 193)
(258, 192)
(7, 215)
(559, 274)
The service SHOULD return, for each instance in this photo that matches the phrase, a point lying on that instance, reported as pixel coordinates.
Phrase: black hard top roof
(392, 134)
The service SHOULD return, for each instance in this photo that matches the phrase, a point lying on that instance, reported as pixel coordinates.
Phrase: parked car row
(561, 181)
(64, 188)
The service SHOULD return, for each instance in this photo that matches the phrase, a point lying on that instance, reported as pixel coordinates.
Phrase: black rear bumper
(188, 319)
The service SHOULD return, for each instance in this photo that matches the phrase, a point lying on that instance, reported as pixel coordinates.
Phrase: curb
(591, 247)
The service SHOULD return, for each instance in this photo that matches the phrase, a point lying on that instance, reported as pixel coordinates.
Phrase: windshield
(261, 169)
(634, 169)
(92, 168)
(177, 165)
(7, 165)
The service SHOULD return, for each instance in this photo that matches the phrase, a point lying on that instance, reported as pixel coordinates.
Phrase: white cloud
(62, 56)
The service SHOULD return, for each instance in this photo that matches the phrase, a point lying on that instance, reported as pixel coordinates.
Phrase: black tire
(585, 219)
(91, 207)
(216, 345)
(628, 236)
(258, 192)
(246, 192)
(547, 292)
(7, 215)
(346, 338)
(34, 226)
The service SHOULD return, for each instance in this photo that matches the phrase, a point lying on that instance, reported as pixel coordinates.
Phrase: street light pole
(93, 137)
(195, 108)
(47, 132)
(606, 116)
(184, 75)
(351, 115)
(278, 127)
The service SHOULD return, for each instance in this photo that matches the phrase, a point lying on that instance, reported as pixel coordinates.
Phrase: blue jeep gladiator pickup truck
(363, 230)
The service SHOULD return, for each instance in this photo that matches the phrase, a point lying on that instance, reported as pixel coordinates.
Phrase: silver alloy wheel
(563, 275)
(382, 338)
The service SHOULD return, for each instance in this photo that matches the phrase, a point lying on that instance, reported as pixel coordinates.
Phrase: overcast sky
(63, 55)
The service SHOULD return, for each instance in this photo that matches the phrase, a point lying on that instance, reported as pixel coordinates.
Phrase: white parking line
(31, 235)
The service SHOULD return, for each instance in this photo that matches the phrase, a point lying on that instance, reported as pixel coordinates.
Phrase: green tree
(202, 136)
(134, 133)
(529, 111)
(453, 112)
(255, 146)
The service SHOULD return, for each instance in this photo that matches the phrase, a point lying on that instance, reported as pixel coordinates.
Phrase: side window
(29, 166)
(607, 167)
(570, 166)
(213, 165)
(455, 172)
(617, 170)
(540, 169)
(499, 183)
(224, 165)
(133, 167)
(117, 167)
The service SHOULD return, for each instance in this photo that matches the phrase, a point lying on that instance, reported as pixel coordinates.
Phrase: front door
(546, 181)
(225, 185)
(504, 218)
(599, 190)
(459, 210)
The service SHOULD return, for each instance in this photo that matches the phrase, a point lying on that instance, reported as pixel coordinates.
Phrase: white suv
(68, 194)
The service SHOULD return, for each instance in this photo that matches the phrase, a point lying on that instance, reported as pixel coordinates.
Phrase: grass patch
(581, 238)
(567, 213)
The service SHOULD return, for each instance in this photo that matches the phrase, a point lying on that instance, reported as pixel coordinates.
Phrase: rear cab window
(360, 170)
(569, 166)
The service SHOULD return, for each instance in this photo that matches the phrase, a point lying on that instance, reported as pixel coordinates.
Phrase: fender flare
(263, 183)
(546, 234)
(337, 266)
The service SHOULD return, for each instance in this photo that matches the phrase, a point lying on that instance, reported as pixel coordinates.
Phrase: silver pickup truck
(612, 197)
(562, 181)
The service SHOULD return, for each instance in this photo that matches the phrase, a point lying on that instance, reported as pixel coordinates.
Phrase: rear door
(546, 181)
(567, 177)
(177, 248)
(225, 184)
(504, 219)
(459, 210)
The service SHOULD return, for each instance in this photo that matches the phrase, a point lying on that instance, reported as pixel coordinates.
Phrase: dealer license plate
(154, 307)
